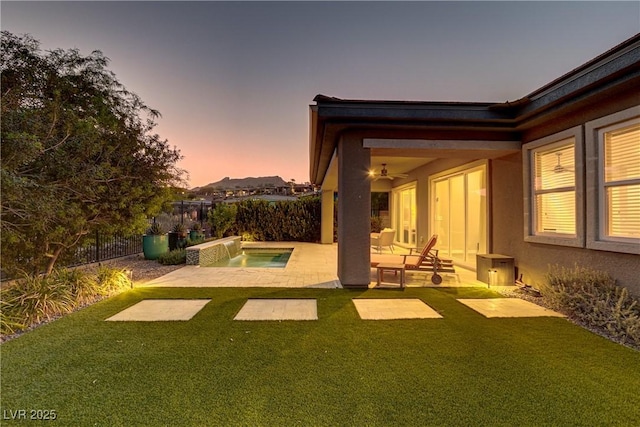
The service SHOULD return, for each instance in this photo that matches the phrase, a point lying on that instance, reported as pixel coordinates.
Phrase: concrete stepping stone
(508, 307)
(278, 309)
(394, 308)
(155, 310)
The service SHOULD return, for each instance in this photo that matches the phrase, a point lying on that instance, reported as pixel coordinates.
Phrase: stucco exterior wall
(533, 259)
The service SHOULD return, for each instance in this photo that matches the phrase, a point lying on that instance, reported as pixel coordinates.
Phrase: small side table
(390, 267)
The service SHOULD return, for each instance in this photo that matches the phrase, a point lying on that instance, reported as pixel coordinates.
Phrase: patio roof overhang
(408, 129)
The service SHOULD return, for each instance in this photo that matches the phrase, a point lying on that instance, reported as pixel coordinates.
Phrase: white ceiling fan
(384, 174)
(559, 168)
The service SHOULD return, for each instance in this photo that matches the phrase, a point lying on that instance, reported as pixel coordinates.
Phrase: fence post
(97, 246)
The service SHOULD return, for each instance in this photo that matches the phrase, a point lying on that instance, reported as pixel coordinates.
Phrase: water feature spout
(233, 247)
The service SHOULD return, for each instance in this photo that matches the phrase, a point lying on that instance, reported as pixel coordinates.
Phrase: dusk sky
(233, 80)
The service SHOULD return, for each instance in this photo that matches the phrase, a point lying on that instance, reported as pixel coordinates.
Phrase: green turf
(463, 369)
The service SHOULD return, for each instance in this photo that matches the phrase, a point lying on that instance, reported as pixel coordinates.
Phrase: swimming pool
(257, 258)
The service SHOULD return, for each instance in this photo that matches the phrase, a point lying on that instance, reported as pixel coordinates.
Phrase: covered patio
(352, 140)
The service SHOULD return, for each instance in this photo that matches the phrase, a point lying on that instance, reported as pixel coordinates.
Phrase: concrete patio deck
(311, 265)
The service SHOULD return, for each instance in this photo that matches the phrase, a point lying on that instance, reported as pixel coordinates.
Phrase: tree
(222, 219)
(78, 154)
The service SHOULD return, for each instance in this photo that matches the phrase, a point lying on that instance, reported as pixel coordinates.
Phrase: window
(553, 189)
(614, 203)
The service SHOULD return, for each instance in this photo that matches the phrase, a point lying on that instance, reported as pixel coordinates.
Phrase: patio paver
(508, 307)
(278, 309)
(394, 308)
(155, 310)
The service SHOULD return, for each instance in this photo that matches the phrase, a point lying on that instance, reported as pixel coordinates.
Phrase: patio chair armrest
(405, 256)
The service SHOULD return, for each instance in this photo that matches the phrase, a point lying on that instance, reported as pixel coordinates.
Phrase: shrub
(175, 257)
(297, 220)
(112, 280)
(189, 242)
(259, 220)
(82, 286)
(34, 299)
(593, 298)
(222, 220)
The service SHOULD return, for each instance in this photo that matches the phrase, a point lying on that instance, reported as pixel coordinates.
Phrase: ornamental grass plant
(34, 299)
(593, 299)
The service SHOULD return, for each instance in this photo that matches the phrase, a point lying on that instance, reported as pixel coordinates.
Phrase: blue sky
(233, 80)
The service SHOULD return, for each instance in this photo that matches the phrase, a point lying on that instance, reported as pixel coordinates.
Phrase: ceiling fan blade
(562, 169)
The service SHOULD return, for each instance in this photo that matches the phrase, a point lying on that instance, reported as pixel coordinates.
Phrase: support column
(326, 221)
(354, 211)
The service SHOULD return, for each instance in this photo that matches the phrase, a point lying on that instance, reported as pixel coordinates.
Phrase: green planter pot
(154, 245)
(196, 235)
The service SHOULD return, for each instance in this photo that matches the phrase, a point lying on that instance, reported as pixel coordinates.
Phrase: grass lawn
(462, 369)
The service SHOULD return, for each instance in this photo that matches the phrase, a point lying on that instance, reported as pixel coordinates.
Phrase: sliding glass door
(459, 214)
(405, 215)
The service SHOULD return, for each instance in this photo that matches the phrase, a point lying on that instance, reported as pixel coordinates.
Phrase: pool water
(257, 258)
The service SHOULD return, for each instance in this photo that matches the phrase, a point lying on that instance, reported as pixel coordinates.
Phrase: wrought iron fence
(100, 247)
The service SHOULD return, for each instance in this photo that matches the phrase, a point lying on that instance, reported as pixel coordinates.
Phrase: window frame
(597, 238)
(529, 150)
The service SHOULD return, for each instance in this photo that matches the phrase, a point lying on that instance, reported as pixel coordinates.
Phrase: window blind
(556, 212)
(623, 204)
(622, 154)
(622, 181)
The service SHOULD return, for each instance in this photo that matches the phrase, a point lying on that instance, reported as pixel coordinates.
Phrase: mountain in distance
(243, 183)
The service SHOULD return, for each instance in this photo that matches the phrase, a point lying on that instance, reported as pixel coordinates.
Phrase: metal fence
(102, 247)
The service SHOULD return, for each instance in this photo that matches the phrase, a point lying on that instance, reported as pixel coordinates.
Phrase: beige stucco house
(551, 178)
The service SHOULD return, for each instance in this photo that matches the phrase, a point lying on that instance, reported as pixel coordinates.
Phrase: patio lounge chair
(384, 238)
(426, 261)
